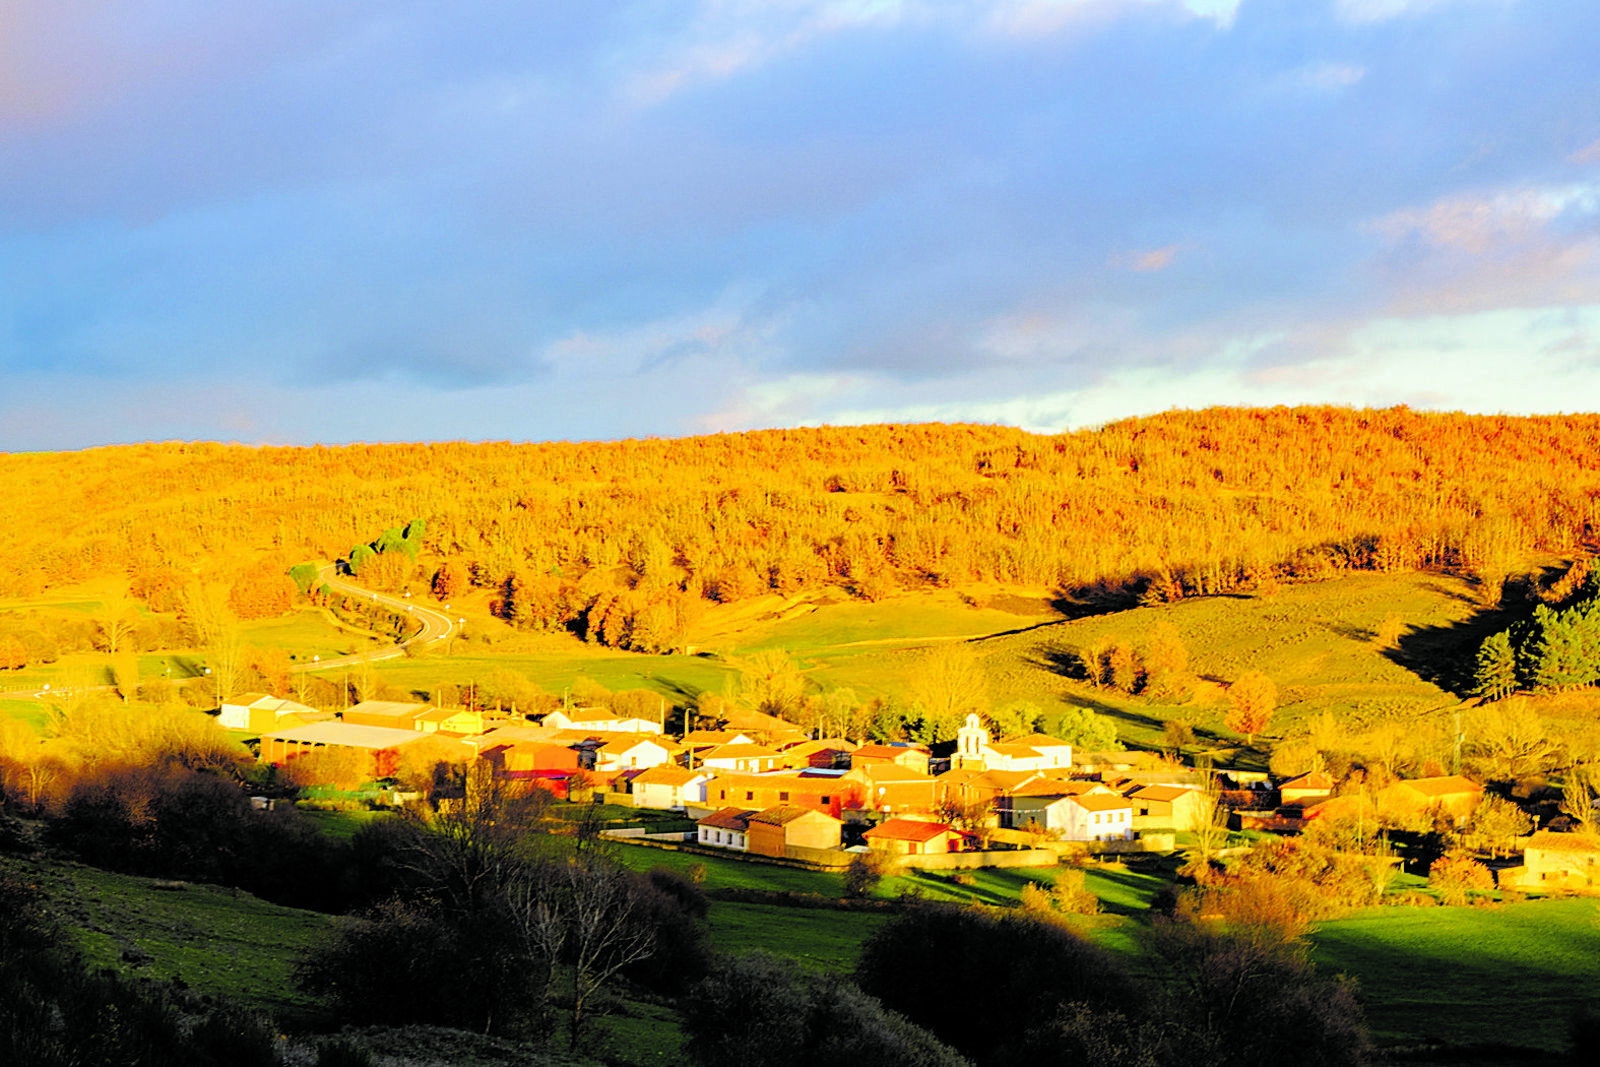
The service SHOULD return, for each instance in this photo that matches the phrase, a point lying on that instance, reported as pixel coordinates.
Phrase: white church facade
(1025, 752)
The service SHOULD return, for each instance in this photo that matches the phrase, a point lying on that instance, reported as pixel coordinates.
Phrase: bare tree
(949, 682)
(605, 933)
(118, 617)
(216, 626)
(1578, 795)
(1507, 740)
(1210, 823)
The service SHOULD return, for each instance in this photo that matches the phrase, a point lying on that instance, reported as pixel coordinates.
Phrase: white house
(726, 828)
(601, 719)
(1088, 814)
(616, 756)
(670, 787)
(751, 758)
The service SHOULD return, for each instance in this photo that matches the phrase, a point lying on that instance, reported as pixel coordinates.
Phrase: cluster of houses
(758, 785)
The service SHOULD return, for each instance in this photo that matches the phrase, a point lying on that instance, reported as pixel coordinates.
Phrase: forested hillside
(1177, 504)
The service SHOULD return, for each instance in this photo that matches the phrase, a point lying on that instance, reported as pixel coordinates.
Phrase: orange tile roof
(1055, 787)
(890, 751)
(739, 752)
(1102, 802)
(1035, 741)
(1160, 792)
(666, 774)
(907, 830)
(822, 744)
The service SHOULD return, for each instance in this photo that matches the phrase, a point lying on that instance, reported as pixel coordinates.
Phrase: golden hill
(1176, 504)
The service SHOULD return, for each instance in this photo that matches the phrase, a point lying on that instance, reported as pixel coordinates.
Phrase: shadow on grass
(1137, 889)
(1446, 656)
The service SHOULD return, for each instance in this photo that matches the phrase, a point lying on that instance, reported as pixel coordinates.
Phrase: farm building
(774, 831)
(260, 713)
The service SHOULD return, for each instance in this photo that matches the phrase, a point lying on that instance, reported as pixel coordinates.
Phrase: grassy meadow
(217, 942)
(1509, 974)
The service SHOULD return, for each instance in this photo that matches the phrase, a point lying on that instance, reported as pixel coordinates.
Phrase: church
(1024, 752)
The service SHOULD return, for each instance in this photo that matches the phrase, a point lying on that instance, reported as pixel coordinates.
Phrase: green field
(1459, 976)
(215, 941)
(1508, 975)
(819, 938)
(724, 872)
(310, 632)
(672, 676)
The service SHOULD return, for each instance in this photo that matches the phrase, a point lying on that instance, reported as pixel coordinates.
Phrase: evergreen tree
(1496, 676)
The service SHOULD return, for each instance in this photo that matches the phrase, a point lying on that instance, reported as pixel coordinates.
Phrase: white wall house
(672, 788)
(1093, 816)
(602, 720)
(727, 828)
(614, 756)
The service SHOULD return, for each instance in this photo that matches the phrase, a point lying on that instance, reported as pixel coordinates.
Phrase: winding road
(436, 625)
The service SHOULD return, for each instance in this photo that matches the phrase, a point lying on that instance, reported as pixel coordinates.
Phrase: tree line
(1184, 503)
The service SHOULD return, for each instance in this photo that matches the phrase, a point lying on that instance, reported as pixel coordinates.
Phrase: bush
(760, 1011)
(399, 964)
(977, 980)
(1583, 1034)
(675, 909)
(343, 1052)
(866, 871)
(1456, 875)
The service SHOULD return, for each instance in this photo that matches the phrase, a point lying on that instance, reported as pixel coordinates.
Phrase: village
(755, 786)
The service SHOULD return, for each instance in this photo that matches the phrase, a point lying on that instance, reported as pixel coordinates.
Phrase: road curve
(436, 625)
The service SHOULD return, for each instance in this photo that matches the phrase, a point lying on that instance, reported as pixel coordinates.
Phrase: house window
(749, 795)
(783, 796)
(724, 794)
(827, 800)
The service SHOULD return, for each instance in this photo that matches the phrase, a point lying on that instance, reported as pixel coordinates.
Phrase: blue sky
(376, 220)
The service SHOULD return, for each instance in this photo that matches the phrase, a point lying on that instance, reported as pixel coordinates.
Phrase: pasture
(1509, 974)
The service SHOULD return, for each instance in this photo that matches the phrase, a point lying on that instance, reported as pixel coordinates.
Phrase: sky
(328, 221)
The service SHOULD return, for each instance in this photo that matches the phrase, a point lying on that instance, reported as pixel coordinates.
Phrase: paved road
(436, 625)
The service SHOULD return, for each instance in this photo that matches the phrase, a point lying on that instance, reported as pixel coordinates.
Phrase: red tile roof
(728, 819)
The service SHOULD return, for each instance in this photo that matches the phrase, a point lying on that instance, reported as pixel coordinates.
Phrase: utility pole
(1455, 757)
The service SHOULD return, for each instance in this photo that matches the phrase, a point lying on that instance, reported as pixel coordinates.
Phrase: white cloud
(1328, 77)
(1148, 261)
(1366, 11)
(1034, 18)
(729, 37)
(1524, 246)
(1520, 360)
(1482, 222)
